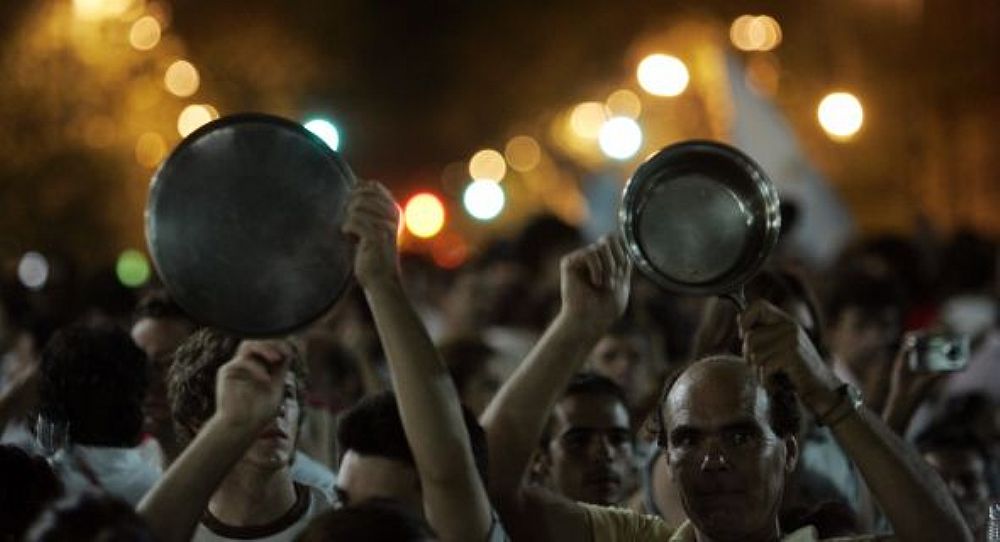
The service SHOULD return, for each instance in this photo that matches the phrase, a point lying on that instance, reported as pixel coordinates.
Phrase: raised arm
(454, 496)
(595, 286)
(249, 391)
(911, 494)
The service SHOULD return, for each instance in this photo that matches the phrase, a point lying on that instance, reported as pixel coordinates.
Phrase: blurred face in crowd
(590, 454)
(619, 358)
(363, 477)
(863, 336)
(159, 338)
(965, 473)
(725, 458)
(275, 444)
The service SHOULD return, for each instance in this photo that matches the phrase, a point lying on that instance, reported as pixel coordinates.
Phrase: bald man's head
(729, 445)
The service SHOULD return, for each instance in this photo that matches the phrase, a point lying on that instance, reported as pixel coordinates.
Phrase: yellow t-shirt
(619, 525)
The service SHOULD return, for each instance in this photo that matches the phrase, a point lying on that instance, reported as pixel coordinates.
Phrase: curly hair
(191, 380)
(94, 379)
(784, 413)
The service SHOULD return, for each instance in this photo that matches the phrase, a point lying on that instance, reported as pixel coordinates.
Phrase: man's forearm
(176, 503)
(911, 494)
(432, 418)
(516, 417)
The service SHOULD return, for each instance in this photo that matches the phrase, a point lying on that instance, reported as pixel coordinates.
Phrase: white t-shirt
(309, 502)
(310, 472)
(122, 472)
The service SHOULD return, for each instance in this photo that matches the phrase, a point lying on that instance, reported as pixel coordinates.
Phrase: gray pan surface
(243, 223)
(699, 217)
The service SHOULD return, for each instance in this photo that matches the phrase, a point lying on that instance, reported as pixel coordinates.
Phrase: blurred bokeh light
(624, 103)
(621, 138)
(449, 250)
(195, 116)
(33, 270)
(182, 79)
(326, 131)
(755, 33)
(487, 164)
(587, 119)
(523, 153)
(145, 33)
(150, 149)
(95, 10)
(484, 199)
(132, 268)
(424, 215)
(841, 115)
(662, 75)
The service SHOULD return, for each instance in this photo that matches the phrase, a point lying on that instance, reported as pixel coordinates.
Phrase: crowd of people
(542, 391)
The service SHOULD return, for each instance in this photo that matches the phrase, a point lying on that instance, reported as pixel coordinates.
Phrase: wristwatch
(849, 399)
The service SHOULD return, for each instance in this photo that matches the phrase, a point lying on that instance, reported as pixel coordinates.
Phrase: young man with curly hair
(258, 498)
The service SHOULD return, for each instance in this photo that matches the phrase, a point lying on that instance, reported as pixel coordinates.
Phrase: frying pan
(243, 225)
(700, 217)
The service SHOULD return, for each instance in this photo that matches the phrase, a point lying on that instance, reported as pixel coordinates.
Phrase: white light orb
(484, 199)
(620, 138)
(326, 131)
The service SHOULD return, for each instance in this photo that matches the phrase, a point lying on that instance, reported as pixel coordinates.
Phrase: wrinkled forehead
(714, 393)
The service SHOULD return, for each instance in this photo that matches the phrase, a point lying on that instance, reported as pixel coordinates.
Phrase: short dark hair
(373, 427)
(29, 485)
(157, 303)
(953, 435)
(191, 380)
(591, 383)
(94, 379)
(90, 517)
(587, 383)
(375, 520)
(784, 414)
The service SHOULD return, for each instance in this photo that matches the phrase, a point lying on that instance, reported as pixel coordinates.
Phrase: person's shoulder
(609, 524)
(309, 472)
(319, 500)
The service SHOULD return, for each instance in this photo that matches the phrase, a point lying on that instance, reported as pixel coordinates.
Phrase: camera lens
(950, 352)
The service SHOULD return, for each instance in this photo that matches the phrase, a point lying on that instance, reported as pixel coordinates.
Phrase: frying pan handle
(738, 298)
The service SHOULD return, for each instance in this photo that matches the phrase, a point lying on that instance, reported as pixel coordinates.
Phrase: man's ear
(541, 466)
(791, 453)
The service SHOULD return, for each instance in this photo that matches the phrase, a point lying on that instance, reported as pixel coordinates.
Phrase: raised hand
(776, 345)
(595, 285)
(373, 219)
(907, 390)
(250, 386)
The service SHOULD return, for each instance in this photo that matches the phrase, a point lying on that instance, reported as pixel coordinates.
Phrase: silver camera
(937, 352)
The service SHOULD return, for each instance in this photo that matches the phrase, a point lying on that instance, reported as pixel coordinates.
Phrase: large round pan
(243, 223)
(700, 217)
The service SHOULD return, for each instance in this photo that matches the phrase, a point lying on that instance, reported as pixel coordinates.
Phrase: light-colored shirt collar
(686, 533)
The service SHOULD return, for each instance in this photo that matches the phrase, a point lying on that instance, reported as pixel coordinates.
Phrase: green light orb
(132, 268)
